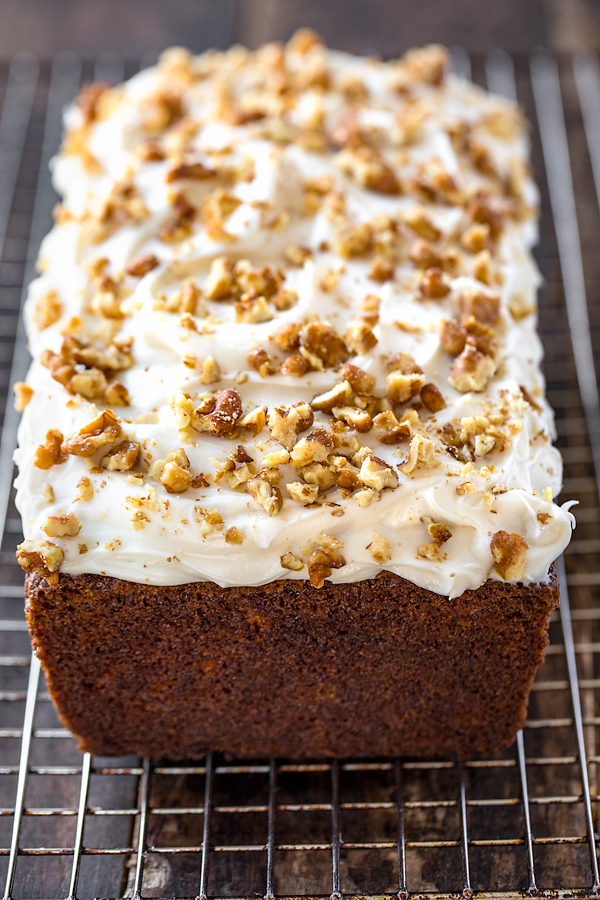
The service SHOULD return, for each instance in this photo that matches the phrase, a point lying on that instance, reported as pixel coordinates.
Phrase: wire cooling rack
(524, 823)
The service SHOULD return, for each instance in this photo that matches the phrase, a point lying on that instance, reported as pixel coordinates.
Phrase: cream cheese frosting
(300, 283)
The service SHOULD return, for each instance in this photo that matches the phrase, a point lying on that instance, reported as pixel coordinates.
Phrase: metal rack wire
(72, 826)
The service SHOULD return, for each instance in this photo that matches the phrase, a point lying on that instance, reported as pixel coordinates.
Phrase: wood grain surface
(139, 27)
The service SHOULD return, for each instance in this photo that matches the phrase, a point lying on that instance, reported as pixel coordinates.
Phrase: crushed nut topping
(41, 558)
(317, 340)
(509, 551)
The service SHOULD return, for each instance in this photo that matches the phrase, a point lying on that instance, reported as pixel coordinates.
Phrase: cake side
(374, 668)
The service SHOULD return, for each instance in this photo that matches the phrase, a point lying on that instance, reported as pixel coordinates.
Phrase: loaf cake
(285, 462)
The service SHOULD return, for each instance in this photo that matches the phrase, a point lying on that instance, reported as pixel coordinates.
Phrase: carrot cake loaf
(285, 463)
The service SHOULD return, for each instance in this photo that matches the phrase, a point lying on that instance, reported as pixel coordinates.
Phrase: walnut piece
(210, 372)
(42, 558)
(422, 452)
(509, 551)
(302, 493)
(360, 381)
(23, 394)
(50, 453)
(85, 490)
(320, 564)
(359, 338)
(261, 362)
(432, 285)
(294, 365)
(381, 549)
(286, 422)
(321, 345)
(432, 398)
(218, 414)
(63, 525)
(175, 476)
(122, 458)
(292, 562)
(375, 473)
(141, 265)
(471, 370)
(339, 394)
(266, 495)
(104, 429)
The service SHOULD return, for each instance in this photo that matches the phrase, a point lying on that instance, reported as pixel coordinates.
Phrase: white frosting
(173, 547)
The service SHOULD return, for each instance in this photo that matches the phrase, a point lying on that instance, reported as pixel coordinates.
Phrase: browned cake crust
(377, 667)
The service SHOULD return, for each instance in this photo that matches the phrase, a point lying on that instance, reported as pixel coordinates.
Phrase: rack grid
(525, 823)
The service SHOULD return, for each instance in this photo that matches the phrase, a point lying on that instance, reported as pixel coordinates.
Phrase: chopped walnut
(438, 532)
(432, 286)
(355, 240)
(50, 453)
(369, 170)
(375, 473)
(266, 495)
(255, 420)
(261, 362)
(471, 370)
(381, 549)
(23, 394)
(284, 299)
(419, 221)
(289, 339)
(452, 337)
(294, 365)
(481, 306)
(323, 475)
(63, 525)
(292, 562)
(234, 536)
(339, 394)
(359, 338)
(431, 551)
(302, 493)
(141, 265)
(85, 490)
(405, 378)
(286, 422)
(509, 551)
(296, 255)
(390, 430)
(47, 310)
(321, 562)
(175, 476)
(520, 305)
(121, 458)
(381, 270)
(48, 493)
(116, 394)
(432, 398)
(210, 372)
(309, 450)
(422, 452)
(42, 558)
(194, 171)
(359, 419)
(321, 345)
(104, 429)
(180, 226)
(253, 310)
(360, 381)
(219, 414)
(476, 238)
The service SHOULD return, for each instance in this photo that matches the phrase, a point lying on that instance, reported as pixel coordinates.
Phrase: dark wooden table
(136, 27)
